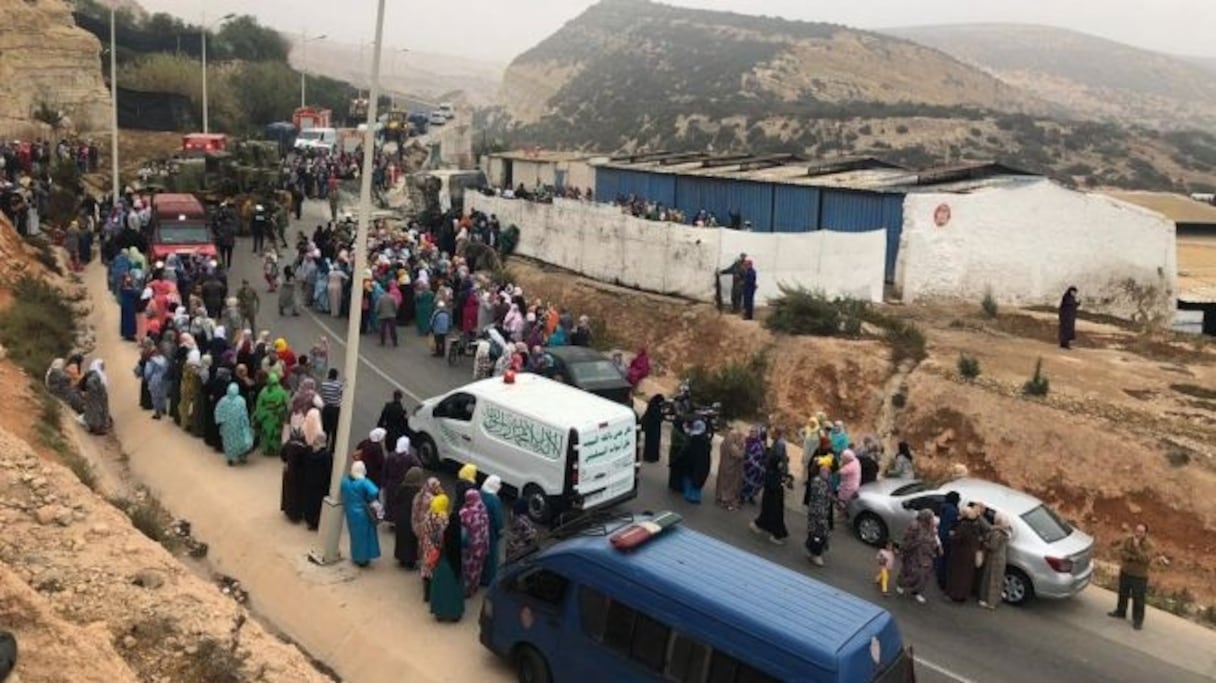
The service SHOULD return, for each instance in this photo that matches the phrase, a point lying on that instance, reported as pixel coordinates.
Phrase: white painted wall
(1029, 243)
(599, 241)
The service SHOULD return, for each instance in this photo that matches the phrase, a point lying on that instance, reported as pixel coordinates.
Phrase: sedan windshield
(1047, 524)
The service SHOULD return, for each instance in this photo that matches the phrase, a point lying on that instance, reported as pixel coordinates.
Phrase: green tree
(244, 38)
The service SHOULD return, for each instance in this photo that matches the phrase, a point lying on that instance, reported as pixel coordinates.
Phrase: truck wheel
(427, 452)
(539, 509)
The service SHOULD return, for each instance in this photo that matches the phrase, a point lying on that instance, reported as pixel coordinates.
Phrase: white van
(560, 448)
(323, 139)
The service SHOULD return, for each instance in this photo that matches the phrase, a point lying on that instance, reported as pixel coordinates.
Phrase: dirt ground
(1127, 432)
(89, 597)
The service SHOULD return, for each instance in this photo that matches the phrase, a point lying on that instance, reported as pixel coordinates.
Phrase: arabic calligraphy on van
(522, 432)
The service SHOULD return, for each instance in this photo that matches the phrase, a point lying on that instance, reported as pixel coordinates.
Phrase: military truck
(247, 166)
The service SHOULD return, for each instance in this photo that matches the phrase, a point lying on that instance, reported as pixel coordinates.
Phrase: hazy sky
(500, 29)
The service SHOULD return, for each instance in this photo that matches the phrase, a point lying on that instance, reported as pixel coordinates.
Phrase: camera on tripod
(681, 409)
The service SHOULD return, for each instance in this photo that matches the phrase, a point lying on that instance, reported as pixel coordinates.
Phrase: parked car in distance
(1047, 556)
(437, 118)
(589, 370)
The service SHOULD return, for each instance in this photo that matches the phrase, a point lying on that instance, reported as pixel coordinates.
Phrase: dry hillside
(633, 75)
(1127, 431)
(1092, 77)
(91, 598)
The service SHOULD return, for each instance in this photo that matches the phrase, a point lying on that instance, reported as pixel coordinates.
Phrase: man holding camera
(1135, 555)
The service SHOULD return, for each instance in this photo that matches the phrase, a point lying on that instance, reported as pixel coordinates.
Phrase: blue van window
(593, 611)
(687, 661)
(544, 585)
(650, 642)
(618, 628)
(749, 675)
(722, 668)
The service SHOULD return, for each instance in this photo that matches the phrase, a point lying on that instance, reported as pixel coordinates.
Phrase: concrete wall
(599, 241)
(1029, 243)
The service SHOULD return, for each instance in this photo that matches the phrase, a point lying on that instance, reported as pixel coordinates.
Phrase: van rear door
(606, 454)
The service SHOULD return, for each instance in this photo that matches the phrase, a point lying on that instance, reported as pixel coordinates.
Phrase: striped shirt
(331, 392)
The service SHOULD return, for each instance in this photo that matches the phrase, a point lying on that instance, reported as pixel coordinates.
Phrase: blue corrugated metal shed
(795, 208)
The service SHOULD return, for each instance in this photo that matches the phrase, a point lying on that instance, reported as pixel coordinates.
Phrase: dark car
(588, 370)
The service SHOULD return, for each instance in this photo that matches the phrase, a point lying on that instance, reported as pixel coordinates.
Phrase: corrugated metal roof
(1176, 207)
(540, 156)
(853, 173)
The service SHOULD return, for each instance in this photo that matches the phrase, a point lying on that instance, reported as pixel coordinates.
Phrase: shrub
(38, 326)
(46, 253)
(739, 386)
(214, 661)
(968, 366)
(907, 342)
(1038, 384)
(800, 311)
(989, 305)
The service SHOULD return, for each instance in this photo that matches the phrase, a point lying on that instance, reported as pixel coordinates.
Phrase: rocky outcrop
(46, 59)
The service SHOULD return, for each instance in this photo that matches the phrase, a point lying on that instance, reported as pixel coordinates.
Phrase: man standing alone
(749, 289)
(1134, 557)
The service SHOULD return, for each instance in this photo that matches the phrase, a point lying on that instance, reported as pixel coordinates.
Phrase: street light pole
(331, 512)
(115, 187)
(304, 41)
(207, 27)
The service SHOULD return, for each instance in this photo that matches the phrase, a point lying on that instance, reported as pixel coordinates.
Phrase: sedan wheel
(1017, 589)
(871, 529)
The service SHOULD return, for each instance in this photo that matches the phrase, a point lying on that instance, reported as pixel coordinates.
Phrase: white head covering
(403, 444)
(99, 366)
(317, 402)
(492, 484)
(358, 470)
(193, 357)
(377, 435)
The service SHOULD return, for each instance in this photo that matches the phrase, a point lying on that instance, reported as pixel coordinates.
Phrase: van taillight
(574, 474)
(1062, 565)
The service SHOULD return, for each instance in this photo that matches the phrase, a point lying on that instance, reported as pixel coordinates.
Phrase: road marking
(370, 365)
(943, 670)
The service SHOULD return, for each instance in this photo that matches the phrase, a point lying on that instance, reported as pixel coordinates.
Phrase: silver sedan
(1047, 557)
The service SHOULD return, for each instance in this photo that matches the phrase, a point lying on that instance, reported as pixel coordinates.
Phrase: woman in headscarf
(358, 496)
(996, 548)
(652, 428)
(818, 515)
(60, 385)
(398, 463)
(695, 461)
(429, 518)
(372, 452)
(216, 391)
(639, 368)
(96, 398)
(498, 521)
(521, 536)
(316, 479)
(475, 523)
(850, 478)
(232, 416)
(424, 307)
(483, 364)
(154, 374)
(917, 553)
(965, 542)
(446, 592)
(513, 324)
(730, 469)
(1068, 317)
(269, 415)
(839, 438)
(146, 346)
(335, 283)
(200, 409)
(405, 546)
(772, 500)
(901, 466)
(128, 297)
(189, 384)
(75, 368)
(753, 466)
(466, 478)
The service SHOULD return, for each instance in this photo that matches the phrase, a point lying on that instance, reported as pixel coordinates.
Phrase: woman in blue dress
(358, 495)
(498, 520)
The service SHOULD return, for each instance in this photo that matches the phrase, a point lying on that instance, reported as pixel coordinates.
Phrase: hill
(634, 75)
(1090, 76)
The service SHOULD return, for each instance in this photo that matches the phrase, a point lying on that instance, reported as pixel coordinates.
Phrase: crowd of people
(639, 207)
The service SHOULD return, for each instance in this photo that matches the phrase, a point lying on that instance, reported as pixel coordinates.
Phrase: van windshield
(311, 134)
(183, 233)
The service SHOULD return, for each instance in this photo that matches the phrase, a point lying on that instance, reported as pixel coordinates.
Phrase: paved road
(1047, 641)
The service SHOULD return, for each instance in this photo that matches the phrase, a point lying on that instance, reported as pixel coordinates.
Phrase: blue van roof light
(639, 533)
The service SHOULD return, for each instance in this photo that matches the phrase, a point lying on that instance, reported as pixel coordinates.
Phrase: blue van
(680, 606)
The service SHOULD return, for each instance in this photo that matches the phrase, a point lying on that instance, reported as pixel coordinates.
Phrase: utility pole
(115, 186)
(207, 27)
(304, 41)
(331, 511)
